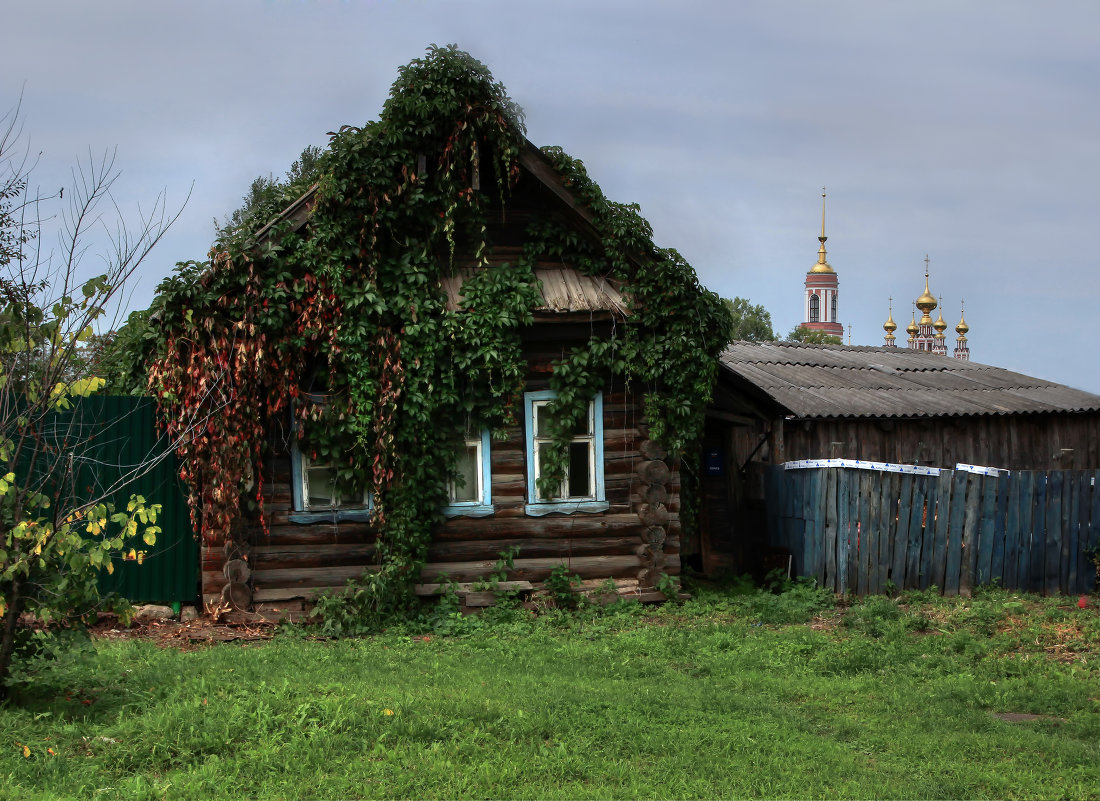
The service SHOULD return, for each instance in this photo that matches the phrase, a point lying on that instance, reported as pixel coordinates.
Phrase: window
(832, 311)
(582, 489)
(815, 306)
(469, 494)
(315, 495)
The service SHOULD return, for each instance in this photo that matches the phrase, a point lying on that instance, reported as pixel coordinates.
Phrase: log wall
(637, 537)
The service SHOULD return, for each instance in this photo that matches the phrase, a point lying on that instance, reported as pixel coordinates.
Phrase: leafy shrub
(560, 584)
(795, 602)
(874, 617)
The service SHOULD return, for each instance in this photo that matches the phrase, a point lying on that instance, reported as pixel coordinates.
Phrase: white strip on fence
(982, 471)
(859, 464)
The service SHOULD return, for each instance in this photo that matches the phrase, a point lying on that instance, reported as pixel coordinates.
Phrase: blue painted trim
(331, 516)
(538, 508)
(298, 503)
(483, 507)
(486, 469)
(564, 507)
(529, 399)
(597, 432)
(469, 510)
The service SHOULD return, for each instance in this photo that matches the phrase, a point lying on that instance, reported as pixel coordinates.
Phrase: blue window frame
(314, 494)
(582, 489)
(471, 496)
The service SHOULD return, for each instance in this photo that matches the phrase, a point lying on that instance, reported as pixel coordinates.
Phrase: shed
(779, 402)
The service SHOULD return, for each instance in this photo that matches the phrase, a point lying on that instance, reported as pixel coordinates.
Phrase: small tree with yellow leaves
(55, 539)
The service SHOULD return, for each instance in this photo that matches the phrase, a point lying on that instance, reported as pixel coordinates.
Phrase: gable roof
(563, 288)
(831, 381)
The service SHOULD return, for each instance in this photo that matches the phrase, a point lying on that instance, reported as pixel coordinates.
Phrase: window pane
(541, 416)
(583, 427)
(322, 486)
(323, 493)
(580, 475)
(349, 497)
(464, 488)
(543, 449)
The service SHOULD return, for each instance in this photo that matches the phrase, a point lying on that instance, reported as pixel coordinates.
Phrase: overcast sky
(969, 132)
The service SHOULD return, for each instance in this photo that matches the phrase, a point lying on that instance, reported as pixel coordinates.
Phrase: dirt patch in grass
(186, 635)
(1064, 641)
(827, 621)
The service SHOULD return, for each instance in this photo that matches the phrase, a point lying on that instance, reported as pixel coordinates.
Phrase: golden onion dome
(926, 302)
(890, 326)
(822, 266)
(940, 325)
(913, 329)
(962, 328)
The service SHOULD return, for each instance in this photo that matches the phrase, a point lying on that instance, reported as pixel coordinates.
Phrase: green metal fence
(115, 445)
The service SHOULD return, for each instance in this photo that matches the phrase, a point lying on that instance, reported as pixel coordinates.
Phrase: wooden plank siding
(862, 531)
(1011, 441)
(290, 560)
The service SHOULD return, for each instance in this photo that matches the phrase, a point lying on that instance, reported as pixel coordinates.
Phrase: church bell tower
(820, 306)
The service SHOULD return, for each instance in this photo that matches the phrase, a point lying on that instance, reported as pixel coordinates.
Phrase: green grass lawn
(731, 695)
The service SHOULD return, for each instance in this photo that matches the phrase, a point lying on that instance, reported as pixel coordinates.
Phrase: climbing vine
(342, 327)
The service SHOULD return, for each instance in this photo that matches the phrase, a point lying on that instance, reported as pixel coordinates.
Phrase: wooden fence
(863, 531)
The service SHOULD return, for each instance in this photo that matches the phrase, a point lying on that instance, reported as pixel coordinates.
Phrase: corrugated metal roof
(820, 381)
(563, 289)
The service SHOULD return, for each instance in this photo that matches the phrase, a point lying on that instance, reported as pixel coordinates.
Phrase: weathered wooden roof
(831, 381)
(563, 289)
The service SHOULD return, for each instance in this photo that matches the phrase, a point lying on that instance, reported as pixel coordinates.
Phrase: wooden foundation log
(291, 534)
(656, 494)
(501, 526)
(317, 555)
(610, 566)
(537, 569)
(237, 594)
(651, 515)
(655, 536)
(235, 549)
(236, 571)
(654, 472)
(545, 547)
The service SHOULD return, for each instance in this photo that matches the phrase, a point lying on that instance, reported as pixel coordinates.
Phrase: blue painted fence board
(855, 530)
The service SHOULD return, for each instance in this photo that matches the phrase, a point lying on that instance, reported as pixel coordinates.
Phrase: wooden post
(830, 534)
(953, 568)
(778, 456)
(968, 550)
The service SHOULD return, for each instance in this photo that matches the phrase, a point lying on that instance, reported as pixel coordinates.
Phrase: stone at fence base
(155, 611)
(189, 613)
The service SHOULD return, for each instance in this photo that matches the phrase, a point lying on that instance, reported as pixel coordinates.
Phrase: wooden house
(780, 402)
(616, 516)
